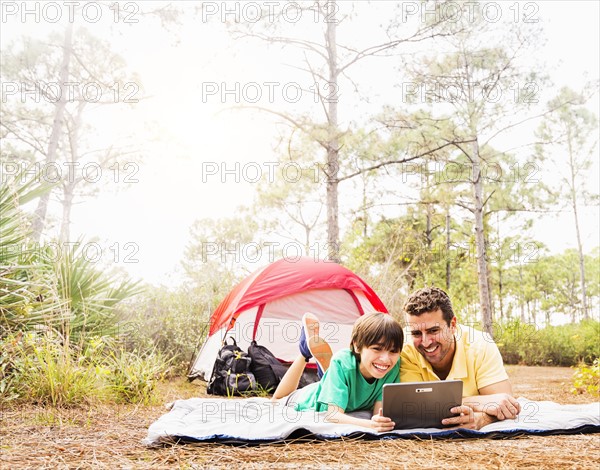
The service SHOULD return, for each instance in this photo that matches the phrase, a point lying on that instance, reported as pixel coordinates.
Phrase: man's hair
(376, 328)
(429, 299)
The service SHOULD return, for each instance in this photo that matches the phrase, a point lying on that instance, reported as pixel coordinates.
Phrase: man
(442, 349)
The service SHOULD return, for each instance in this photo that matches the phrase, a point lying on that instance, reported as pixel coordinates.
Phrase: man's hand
(468, 419)
(501, 405)
(465, 417)
(381, 423)
(506, 407)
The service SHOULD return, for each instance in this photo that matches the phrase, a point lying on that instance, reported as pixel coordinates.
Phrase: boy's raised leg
(312, 344)
(289, 382)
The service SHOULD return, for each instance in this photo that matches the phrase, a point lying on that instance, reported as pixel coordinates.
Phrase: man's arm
(503, 386)
(466, 418)
(495, 400)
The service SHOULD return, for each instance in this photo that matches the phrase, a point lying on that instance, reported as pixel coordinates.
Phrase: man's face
(433, 337)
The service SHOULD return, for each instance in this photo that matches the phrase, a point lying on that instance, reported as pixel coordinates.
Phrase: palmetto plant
(25, 282)
(89, 295)
(65, 292)
(53, 307)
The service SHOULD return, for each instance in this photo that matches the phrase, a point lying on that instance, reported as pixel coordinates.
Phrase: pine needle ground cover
(108, 436)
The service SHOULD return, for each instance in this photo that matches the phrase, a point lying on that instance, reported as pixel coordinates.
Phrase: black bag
(269, 371)
(266, 368)
(231, 373)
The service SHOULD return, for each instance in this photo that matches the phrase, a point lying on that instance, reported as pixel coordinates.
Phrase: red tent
(268, 306)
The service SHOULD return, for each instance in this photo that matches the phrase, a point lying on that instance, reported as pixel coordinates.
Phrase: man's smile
(430, 349)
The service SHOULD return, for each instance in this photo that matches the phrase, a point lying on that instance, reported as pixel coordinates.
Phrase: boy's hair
(429, 299)
(376, 328)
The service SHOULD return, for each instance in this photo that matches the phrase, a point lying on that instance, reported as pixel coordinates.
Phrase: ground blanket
(258, 420)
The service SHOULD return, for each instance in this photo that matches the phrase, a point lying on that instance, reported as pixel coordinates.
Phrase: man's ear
(453, 322)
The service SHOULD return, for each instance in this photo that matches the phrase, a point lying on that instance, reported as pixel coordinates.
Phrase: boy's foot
(312, 345)
(309, 330)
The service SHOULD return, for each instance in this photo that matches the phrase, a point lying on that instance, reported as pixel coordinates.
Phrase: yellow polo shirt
(477, 362)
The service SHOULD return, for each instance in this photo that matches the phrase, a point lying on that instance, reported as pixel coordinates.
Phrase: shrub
(47, 369)
(587, 379)
(173, 323)
(565, 345)
(133, 377)
(10, 367)
(52, 373)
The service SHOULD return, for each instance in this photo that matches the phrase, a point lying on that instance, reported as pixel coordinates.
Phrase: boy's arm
(379, 423)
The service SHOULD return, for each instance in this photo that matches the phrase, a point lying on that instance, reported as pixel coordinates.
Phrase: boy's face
(433, 337)
(376, 361)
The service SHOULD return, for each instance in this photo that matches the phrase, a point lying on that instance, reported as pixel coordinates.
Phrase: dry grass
(106, 436)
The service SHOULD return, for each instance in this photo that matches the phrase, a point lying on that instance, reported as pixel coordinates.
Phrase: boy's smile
(376, 362)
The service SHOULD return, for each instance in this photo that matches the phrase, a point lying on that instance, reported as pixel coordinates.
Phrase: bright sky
(181, 132)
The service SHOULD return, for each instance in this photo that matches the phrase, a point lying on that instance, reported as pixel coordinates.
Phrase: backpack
(266, 368)
(231, 373)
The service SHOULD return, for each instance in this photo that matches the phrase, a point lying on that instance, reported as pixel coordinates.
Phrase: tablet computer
(421, 404)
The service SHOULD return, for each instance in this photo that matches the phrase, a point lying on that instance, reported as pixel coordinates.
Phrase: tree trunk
(447, 249)
(333, 230)
(67, 202)
(521, 295)
(500, 292)
(57, 124)
(365, 214)
(500, 269)
(482, 269)
(428, 230)
(573, 302)
(579, 244)
(72, 179)
(489, 280)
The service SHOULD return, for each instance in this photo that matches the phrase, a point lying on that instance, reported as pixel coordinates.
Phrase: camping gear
(267, 369)
(231, 373)
(259, 421)
(267, 307)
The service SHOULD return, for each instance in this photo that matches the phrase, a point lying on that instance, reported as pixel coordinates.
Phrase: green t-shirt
(343, 385)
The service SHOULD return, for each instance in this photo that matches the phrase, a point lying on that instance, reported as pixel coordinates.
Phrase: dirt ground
(104, 436)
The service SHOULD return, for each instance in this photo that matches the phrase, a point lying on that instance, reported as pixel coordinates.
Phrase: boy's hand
(381, 423)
